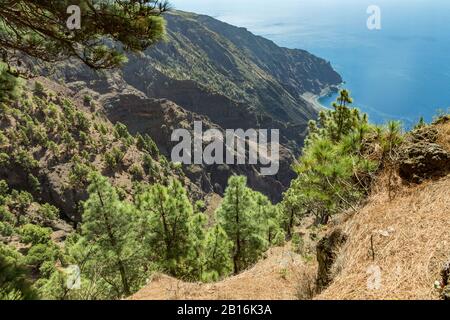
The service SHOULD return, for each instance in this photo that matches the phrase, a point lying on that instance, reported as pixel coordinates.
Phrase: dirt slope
(411, 236)
(411, 243)
(272, 278)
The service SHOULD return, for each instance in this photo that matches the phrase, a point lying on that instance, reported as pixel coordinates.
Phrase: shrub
(82, 123)
(48, 211)
(121, 132)
(297, 244)
(4, 159)
(87, 100)
(10, 86)
(34, 183)
(4, 188)
(40, 253)
(114, 158)
(25, 160)
(31, 233)
(147, 163)
(6, 230)
(39, 88)
(14, 275)
(78, 175)
(137, 172)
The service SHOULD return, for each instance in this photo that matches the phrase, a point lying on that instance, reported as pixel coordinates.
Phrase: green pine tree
(38, 29)
(14, 276)
(10, 86)
(109, 227)
(237, 216)
(269, 217)
(218, 262)
(167, 215)
(333, 172)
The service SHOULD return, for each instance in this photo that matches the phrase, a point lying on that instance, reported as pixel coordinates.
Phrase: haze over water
(399, 72)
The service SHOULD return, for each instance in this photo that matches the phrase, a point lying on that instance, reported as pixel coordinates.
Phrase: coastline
(314, 99)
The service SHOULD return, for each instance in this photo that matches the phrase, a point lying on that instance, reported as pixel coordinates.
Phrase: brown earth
(275, 277)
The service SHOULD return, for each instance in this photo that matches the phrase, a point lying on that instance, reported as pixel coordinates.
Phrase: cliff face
(237, 79)
(224, 75)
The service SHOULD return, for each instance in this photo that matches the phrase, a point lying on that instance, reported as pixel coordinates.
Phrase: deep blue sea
(399, 72)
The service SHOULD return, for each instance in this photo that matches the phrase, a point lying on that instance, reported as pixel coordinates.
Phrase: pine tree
(167, 214)
(332, 171)
(292, 208)
(196, 255)
(237, 216)
(14, 277)
(109, 227)
(38, 29)
(10, 86)
(421, 123)
(269, 217)
(218, 262)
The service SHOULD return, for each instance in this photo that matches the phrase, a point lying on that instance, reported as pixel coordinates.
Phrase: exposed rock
(159, 117)
(230, 75)
(326, 256)
(422, 158)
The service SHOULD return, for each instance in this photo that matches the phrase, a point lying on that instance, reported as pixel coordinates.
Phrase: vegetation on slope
(123, 233)
(351, 205)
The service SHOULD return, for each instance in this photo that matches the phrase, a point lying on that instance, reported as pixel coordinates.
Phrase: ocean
(401, 71)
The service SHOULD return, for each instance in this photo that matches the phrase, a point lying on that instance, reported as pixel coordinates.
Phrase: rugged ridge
(216, 72)
(209, 67)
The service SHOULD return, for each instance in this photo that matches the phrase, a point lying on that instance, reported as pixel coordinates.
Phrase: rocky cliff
(224, 75)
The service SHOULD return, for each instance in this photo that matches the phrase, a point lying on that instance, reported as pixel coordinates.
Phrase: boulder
(422, 158)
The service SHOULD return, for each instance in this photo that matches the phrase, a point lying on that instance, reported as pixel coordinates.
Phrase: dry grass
(306, 282)
(411, 242)
(444, 135)
(274, 278)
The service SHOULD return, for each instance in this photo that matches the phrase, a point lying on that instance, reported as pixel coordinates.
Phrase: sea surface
(401, 71)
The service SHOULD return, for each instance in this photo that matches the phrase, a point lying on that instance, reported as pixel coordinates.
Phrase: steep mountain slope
(160, 117)
(398, 248)
(394, 247)
(212, 68)
(217, 73)
(411, 241)
(411, 244)
(52, 137)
